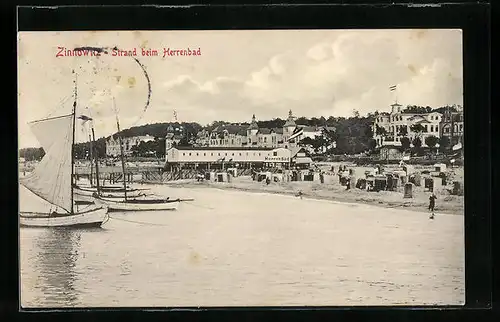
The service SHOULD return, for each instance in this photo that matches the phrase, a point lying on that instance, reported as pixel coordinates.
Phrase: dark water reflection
(53, 266)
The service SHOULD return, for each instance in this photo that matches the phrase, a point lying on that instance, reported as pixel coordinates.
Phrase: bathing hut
(408, 190)
(222, 177)
(233, 171)
(390, 182)
(380, 183)
(458, 188)
(361, 184)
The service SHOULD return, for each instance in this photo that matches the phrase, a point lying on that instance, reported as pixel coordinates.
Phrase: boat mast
(121, 152)
(91, 159)
(72, 146)
(96, 158)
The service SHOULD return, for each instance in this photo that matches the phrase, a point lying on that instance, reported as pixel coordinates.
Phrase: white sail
(51, 179)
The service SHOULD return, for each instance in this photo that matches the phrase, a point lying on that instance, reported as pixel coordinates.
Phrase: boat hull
(121, 206)
(83, 199)
(90, 193)
(108, 189)
(91, 218)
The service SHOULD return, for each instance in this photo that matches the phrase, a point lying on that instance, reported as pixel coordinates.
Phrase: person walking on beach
(432, 204)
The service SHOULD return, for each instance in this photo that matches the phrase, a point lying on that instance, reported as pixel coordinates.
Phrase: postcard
(241, 168)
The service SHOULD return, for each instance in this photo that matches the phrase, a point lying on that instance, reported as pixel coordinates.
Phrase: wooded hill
(353, 134)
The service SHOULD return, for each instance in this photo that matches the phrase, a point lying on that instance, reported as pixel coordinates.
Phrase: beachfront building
(452, 125)
(251, 135)
(389, 128)
(173, 137)
(113, 144)
(238, 157)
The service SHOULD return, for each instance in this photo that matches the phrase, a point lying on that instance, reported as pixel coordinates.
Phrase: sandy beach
(446, 203)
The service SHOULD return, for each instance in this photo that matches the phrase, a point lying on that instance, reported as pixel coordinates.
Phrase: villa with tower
(389, 128)
(253, 136)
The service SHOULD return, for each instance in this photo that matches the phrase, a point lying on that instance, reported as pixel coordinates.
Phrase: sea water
(231, 248)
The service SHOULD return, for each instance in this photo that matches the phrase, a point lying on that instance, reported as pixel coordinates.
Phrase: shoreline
(332, 192)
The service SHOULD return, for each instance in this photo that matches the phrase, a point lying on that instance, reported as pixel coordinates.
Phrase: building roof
(253, 125)
(307, 128)
(223, 148)
(173, 136)
(290, 120)
(303, 160)
(231, 129)
(295, 150)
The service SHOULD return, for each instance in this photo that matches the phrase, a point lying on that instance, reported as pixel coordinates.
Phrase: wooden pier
(114, 174)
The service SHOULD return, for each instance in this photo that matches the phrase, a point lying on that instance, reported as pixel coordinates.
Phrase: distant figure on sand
(300, 194)
(432, 204)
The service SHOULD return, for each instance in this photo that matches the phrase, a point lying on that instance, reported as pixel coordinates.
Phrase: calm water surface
(233, 248)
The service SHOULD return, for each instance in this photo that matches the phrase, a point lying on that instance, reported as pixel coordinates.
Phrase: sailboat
(134, 203)
(85, 193)
(52, 179)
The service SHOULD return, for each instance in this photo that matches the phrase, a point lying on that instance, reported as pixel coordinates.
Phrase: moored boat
(139, 204)
(52, 179)
(117, 195)
(131, 201)
(84, 219)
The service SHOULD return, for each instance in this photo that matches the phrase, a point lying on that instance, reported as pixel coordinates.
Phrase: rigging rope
(138, 222)
(203, 207)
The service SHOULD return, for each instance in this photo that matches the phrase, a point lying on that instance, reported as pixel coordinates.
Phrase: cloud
(314, 74)
(353, 72)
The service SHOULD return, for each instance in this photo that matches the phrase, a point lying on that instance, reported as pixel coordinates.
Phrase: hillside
(353, 134)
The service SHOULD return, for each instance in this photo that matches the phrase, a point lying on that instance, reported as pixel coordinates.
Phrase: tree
(32, 154)
(405, 143)
(183, 142)
(418, 129)
(444, 143)
(355, 113)
(431, 141)
(373, 144)
(379, 130)
(417, 144)
(403, 130)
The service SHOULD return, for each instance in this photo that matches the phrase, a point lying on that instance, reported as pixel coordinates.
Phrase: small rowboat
(139, 204)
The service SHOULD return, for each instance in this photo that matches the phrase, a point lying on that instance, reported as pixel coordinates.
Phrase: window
(204, 154)
(196, 153)
(240, 154)
(189, 153)
(232, 154)
(183, 153)
(212, 154)
(432, 128)
(275, 154)
(259, 154)
(218, 154)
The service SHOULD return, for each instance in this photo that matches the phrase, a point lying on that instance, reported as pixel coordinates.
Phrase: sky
(239, 73)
